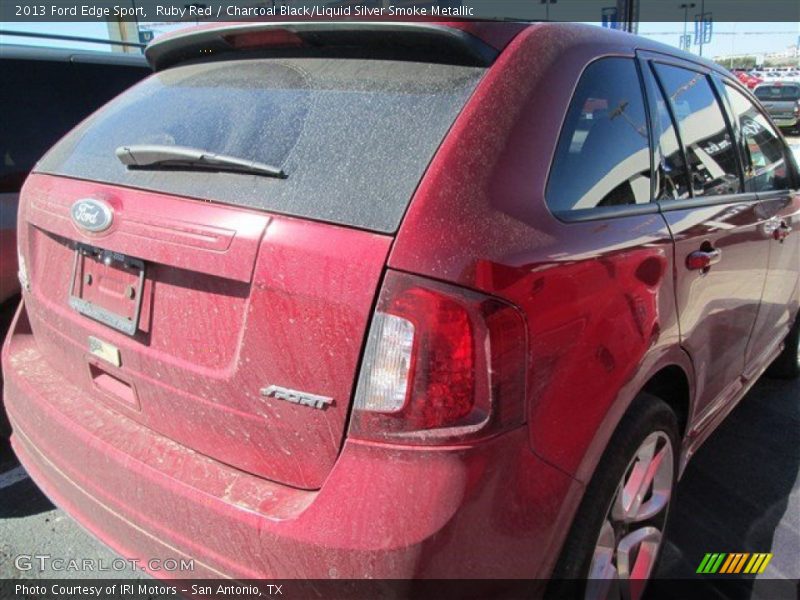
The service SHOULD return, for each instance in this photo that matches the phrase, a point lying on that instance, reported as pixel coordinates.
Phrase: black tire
(648, 414)
(787, 365)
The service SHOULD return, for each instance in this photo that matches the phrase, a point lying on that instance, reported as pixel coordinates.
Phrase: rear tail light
(441, 365)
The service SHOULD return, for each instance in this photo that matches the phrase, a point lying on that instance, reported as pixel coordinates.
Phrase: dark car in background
(45, 92)
(782, 102)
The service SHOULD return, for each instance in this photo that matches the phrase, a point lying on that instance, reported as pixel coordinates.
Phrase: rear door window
(672, 179)
(765, 167)
(705, 135)
(603, 154)
(354, 136)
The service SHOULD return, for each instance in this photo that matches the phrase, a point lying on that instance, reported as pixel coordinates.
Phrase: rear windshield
(353, 136)
(778, 92)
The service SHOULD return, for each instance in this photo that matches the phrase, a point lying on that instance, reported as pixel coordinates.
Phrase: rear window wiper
(154, 156)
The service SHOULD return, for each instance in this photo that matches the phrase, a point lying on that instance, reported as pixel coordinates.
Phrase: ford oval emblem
(92, 215)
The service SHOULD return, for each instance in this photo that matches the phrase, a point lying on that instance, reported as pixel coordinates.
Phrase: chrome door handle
(782, 231)
(703, 260)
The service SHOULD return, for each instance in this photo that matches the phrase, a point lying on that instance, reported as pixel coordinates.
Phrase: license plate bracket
(107, 286)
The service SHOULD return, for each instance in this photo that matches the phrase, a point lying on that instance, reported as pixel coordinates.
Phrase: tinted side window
(672, 181)
(708, 143)
(764, 161)
(32, 121)
(603, 155)
(32, 118)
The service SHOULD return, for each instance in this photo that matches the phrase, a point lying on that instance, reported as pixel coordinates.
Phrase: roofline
(478, 42)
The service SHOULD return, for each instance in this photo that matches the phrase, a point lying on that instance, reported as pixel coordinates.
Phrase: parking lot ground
(31, 525)
(741, 492)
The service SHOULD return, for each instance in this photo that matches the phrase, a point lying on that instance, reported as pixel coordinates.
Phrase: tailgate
(249, 324)
(226, 309)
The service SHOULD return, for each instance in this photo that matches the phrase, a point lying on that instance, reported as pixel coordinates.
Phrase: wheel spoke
(636, 556)
(630, 496)
(602, 579)
(607, 537)
(660, 484)
(647, 489)
(629, 539)
(604, 586)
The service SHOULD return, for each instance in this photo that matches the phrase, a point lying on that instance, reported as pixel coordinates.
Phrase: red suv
(399, 300)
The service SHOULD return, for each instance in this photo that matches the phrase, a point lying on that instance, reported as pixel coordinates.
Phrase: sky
(91, 29)
(727, 38)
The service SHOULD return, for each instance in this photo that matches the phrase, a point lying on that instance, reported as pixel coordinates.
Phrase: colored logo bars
(741, 562)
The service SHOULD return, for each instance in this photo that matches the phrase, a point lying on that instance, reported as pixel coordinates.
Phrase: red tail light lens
(441, 365)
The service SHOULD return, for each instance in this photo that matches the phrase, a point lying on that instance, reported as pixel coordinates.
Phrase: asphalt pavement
(740, 493)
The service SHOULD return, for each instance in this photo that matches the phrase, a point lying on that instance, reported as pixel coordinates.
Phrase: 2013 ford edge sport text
(390, 300)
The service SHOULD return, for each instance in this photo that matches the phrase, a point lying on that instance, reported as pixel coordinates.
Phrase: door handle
(782, 231)
(703, 260)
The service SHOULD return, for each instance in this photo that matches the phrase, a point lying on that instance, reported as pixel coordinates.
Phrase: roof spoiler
(464, 42)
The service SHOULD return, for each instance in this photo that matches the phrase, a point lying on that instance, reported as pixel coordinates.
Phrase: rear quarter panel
(598, 295)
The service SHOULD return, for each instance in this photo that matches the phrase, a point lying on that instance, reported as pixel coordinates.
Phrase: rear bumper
(384, 512)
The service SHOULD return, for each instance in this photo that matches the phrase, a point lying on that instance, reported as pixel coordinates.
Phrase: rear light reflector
(263, 39)
(22, 273)
(441, 365)
(387, 363)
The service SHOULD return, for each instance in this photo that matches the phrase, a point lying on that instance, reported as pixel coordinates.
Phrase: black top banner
(197, 11)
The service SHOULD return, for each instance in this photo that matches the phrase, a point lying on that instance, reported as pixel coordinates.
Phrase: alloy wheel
(632, 531)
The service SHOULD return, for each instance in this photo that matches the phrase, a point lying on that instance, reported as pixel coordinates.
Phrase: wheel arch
(671, 377)
(671, 384)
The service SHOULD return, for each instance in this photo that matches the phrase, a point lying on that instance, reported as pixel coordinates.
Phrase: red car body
(751, 81)
(166, 448)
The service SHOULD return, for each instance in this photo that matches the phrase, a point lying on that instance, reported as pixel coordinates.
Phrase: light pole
(702, 24)
(686, 6)
(547, 4)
